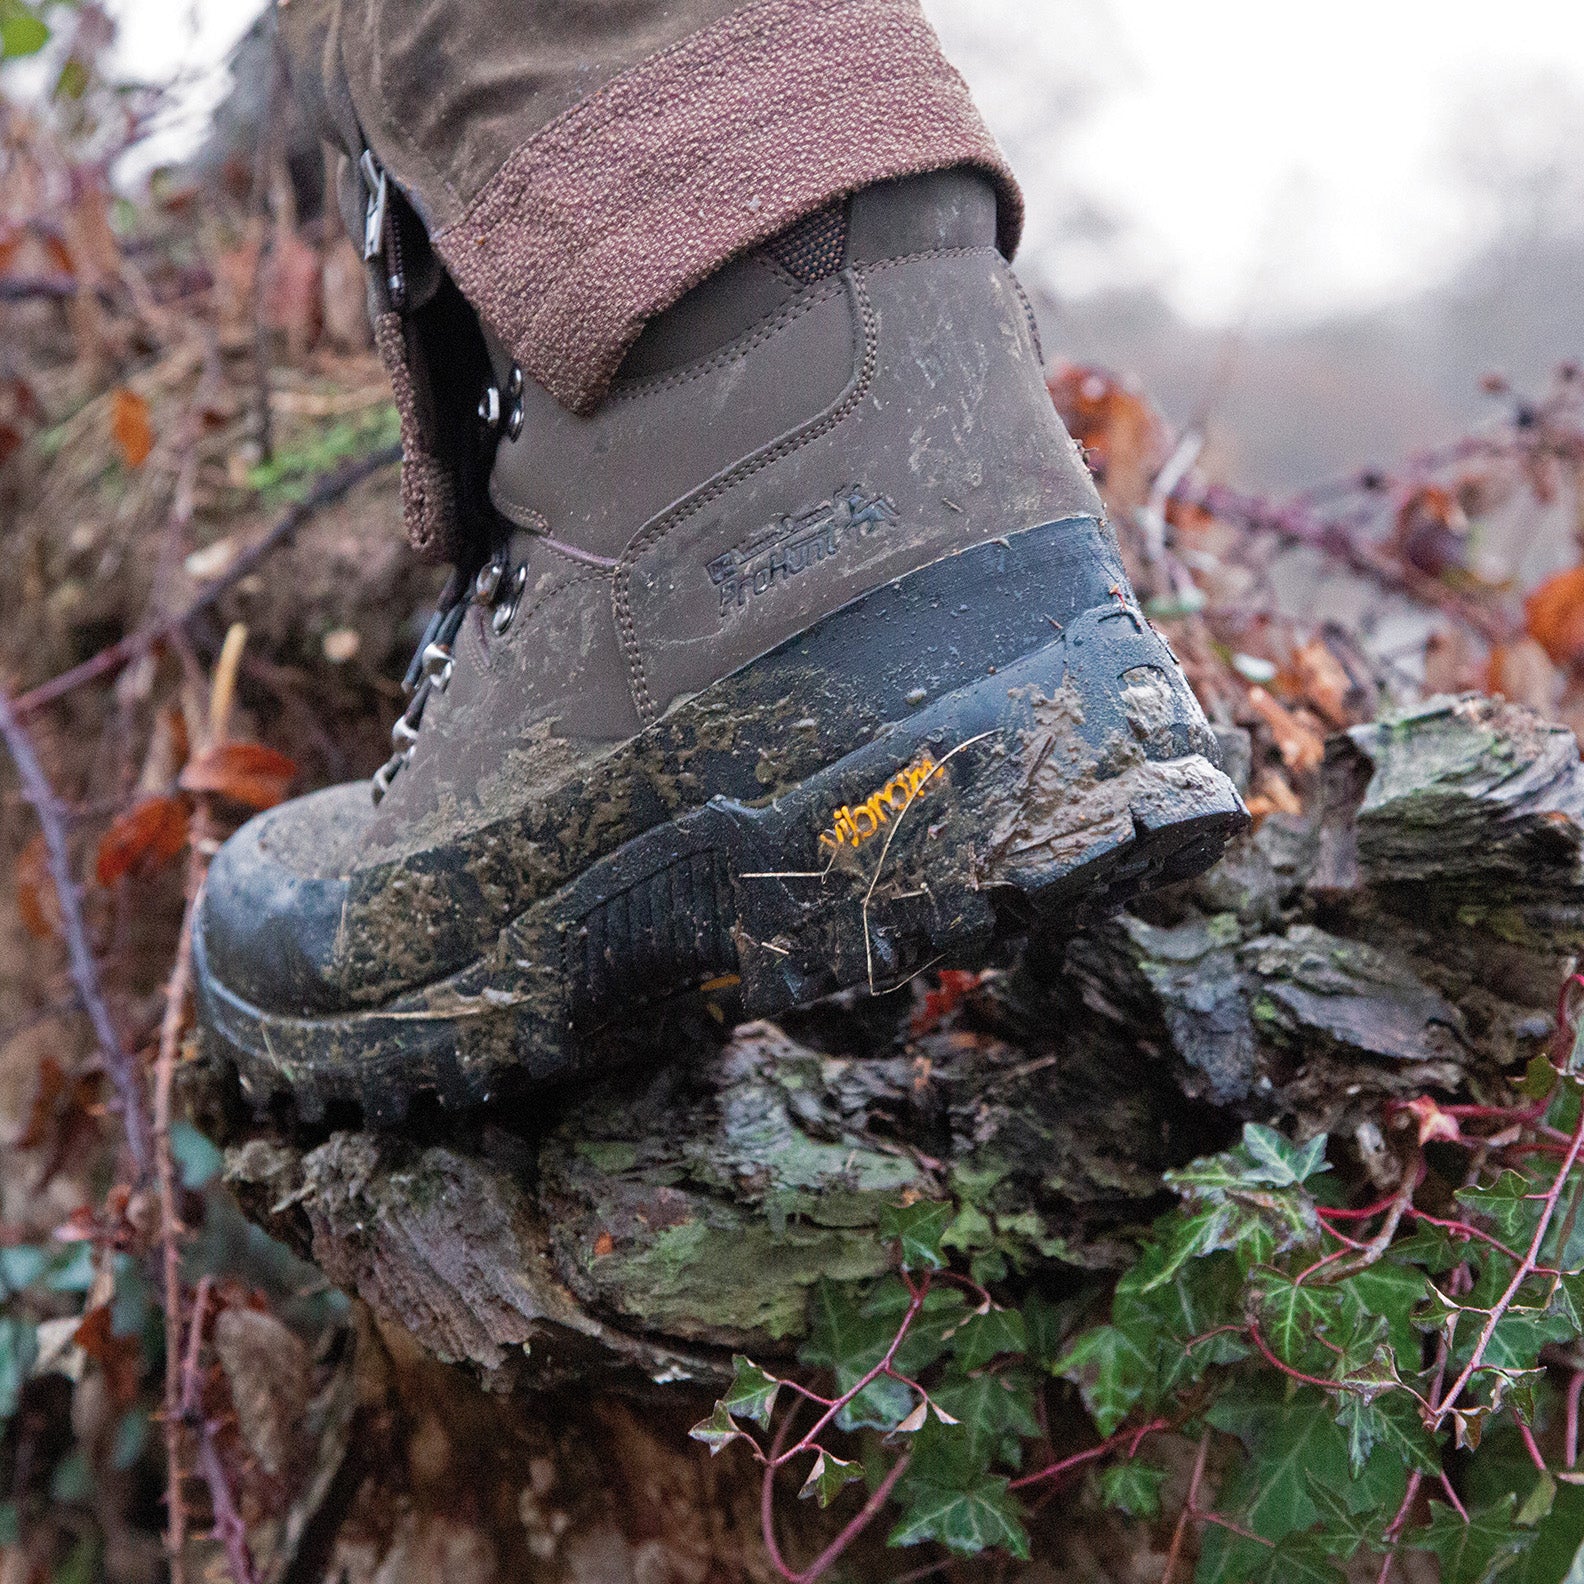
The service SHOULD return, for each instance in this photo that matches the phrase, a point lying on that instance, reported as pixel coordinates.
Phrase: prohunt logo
(794, 544)
(853, 824)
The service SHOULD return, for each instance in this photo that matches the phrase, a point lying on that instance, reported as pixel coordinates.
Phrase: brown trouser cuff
(609, 213)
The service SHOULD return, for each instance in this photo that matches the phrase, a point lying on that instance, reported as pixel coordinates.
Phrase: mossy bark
(628, 1236)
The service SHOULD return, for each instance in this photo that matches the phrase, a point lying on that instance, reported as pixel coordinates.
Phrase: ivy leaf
(1291, 1314)
(1506, 1204)
(982, 1337)
(829, 1477)
(1342, 1529)
(1134, 1488)
(1393, 1423)
(18, 1349)
(1290, 1440)
(718, 1431)
(965, 1518)
(1110, 1371)
(1278, 1162)
(849, 1339)
(918, 1228)
(996, 1412)
(1476, 1551)
(1393, 1291)
(752, 1393)
(1299, 1559)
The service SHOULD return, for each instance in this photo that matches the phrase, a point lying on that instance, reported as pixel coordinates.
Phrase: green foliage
(1333, 1357)
(289, 474)
(22, 30)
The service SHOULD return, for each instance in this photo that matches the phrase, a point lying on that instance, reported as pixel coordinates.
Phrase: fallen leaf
(246, 773)
(146, 836)
(1314, 676)
(1554, 616)
(130, 426)
(51, 1084)
(121, 1358)
(37, 903)
(1301, 747)
(1123, 438)
(1432, 531)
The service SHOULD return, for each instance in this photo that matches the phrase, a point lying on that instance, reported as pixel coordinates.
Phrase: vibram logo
(853, 824)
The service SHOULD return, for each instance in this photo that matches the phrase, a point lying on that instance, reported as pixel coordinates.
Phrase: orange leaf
(1109, 418)
(51, 1084)
(120, 1357)
(1554, 616)
(1314, 676)
(246, 773)
(1433, 531)
(1300, 747)
(130, 426)
(37, 902)
(147, 835)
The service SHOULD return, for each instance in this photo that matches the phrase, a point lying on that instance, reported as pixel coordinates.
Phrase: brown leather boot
(804, 662)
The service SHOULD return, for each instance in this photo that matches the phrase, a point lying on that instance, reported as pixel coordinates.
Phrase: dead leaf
(41, 1111)
(146, 836)
(1523, 672)
(1314, 676)
(244, 772)
(1432, 1122)
(1301, 748)
(1432, 531)
(37, 902)
(130, 426)
(270, 1374)
(1124, 439)
(1554, 616)
(121, 1358)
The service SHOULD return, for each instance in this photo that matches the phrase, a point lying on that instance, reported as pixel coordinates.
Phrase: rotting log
(623, 1238)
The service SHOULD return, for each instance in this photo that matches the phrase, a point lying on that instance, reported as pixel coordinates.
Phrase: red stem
(1525, 1269)
(1283, 1366)
(1452, 1496)
(1104, 1449)
(1535, 1455)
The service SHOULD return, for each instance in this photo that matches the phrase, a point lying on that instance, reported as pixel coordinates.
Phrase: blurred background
(1311, 228)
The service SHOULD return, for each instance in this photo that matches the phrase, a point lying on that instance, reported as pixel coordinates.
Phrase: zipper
(382, 229)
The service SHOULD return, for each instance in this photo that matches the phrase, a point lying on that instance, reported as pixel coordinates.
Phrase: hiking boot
(805, 662)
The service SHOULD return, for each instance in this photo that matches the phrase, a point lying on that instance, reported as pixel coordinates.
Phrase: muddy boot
(804, 662)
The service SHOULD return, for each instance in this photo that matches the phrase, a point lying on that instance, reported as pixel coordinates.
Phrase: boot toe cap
(274, 901)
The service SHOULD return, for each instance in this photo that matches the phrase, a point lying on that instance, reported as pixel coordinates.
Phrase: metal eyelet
(489, 407)
(507, 609)
(514, 383)
(486, 585)
(514, 421)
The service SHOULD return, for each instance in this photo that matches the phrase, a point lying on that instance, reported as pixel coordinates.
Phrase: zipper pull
(374, 179)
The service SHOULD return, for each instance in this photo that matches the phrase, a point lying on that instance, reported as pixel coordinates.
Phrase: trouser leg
(580, 164)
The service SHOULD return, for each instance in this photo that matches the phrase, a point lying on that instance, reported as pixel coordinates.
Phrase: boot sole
(1043, 786)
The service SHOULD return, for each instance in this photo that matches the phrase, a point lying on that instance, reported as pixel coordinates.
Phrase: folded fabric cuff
(612, 211)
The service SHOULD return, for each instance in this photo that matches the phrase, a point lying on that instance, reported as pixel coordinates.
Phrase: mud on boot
(804, 662)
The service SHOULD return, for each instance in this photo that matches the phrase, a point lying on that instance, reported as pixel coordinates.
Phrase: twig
(1186, 1516)
(229, 1527)
(330, 488)
(119, 1063)
(1525, 1269)
(1104, 1449)
(171, 1232)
